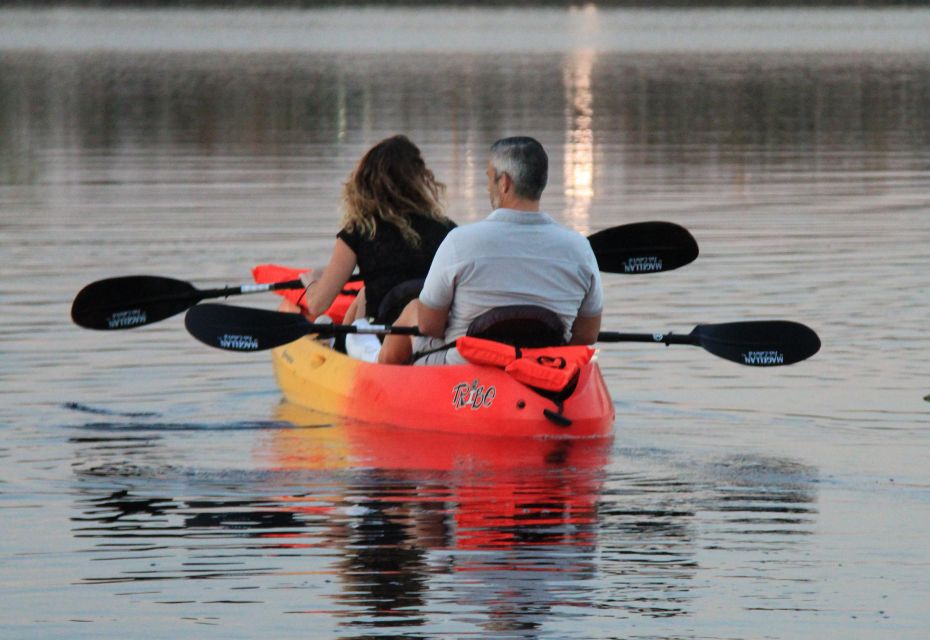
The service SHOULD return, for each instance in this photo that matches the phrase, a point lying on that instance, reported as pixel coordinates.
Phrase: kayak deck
(465, 399)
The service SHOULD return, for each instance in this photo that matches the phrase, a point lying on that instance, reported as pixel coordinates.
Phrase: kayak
(462, 399)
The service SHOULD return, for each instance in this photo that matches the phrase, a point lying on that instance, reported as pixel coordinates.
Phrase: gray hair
(525, 161)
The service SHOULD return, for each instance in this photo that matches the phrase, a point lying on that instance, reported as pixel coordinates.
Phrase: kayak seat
(397, 298)
(528, 326)
(519, 325)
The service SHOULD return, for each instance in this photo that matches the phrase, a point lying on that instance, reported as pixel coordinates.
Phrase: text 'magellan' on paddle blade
(244, 328)
(235, 328)
(763, 343)
(755, 343)
(131, 301)
(643, 247)
(134, 301)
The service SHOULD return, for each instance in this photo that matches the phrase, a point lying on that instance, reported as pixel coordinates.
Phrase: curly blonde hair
(390, 183)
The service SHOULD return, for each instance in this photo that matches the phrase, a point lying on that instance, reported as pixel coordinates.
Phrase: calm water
(150, 485)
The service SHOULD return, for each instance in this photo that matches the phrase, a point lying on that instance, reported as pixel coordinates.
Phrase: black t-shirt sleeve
(351, 238)
(387, 260)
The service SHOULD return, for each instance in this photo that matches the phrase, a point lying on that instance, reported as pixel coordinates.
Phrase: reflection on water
(691, 117)
(579, 147)
(507, 546)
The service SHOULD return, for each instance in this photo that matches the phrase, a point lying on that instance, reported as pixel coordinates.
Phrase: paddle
(764, 343)
(757, 343)
(132, 301)
(248, 329)
(643, 247)
(127, 302)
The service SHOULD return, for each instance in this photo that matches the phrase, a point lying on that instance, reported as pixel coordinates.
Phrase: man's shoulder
(470, 230)
(570, 236)
(489, 227)
(578, 246)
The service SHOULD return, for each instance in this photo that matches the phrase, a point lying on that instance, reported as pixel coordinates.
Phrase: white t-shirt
(511, 257)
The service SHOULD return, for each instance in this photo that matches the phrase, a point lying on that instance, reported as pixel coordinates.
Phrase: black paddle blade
(131, 301)
(643, 247)
(243, 328)
(764, 343)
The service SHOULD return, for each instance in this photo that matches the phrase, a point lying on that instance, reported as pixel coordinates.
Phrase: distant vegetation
(462, 3)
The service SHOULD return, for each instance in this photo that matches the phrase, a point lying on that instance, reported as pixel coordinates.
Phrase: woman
(393, 223)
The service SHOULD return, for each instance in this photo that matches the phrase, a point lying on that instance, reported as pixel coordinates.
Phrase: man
(517, 255)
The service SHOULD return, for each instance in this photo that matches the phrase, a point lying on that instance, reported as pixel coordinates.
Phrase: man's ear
(505, 186)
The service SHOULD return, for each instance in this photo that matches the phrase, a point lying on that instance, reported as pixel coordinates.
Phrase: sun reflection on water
(579, 144)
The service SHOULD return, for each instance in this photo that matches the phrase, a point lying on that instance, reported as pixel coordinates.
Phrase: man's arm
(585, 330)
(438, 290)
(432, 322)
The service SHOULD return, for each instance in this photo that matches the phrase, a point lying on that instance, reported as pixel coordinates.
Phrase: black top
(387, 260)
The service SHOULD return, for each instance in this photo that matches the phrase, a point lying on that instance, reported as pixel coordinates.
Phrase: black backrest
(521, 325)
(397, 298)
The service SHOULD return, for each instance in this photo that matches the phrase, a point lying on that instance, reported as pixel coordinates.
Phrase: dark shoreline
(308, 4)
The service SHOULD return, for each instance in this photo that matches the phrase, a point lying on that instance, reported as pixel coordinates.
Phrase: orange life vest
(548, 368)
(266, 273)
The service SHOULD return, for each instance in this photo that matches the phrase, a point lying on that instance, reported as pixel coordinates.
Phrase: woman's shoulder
(420, 220)
(432, 231)
(352, 237)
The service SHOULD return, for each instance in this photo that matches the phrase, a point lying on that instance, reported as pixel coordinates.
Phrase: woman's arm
(320, 294)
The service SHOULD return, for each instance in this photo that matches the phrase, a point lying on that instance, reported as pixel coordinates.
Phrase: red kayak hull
(463, 399)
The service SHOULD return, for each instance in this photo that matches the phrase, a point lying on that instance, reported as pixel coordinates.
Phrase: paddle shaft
(663, 338)
(603, 336)
(373, 329)
(244, 289)
(225, 292)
